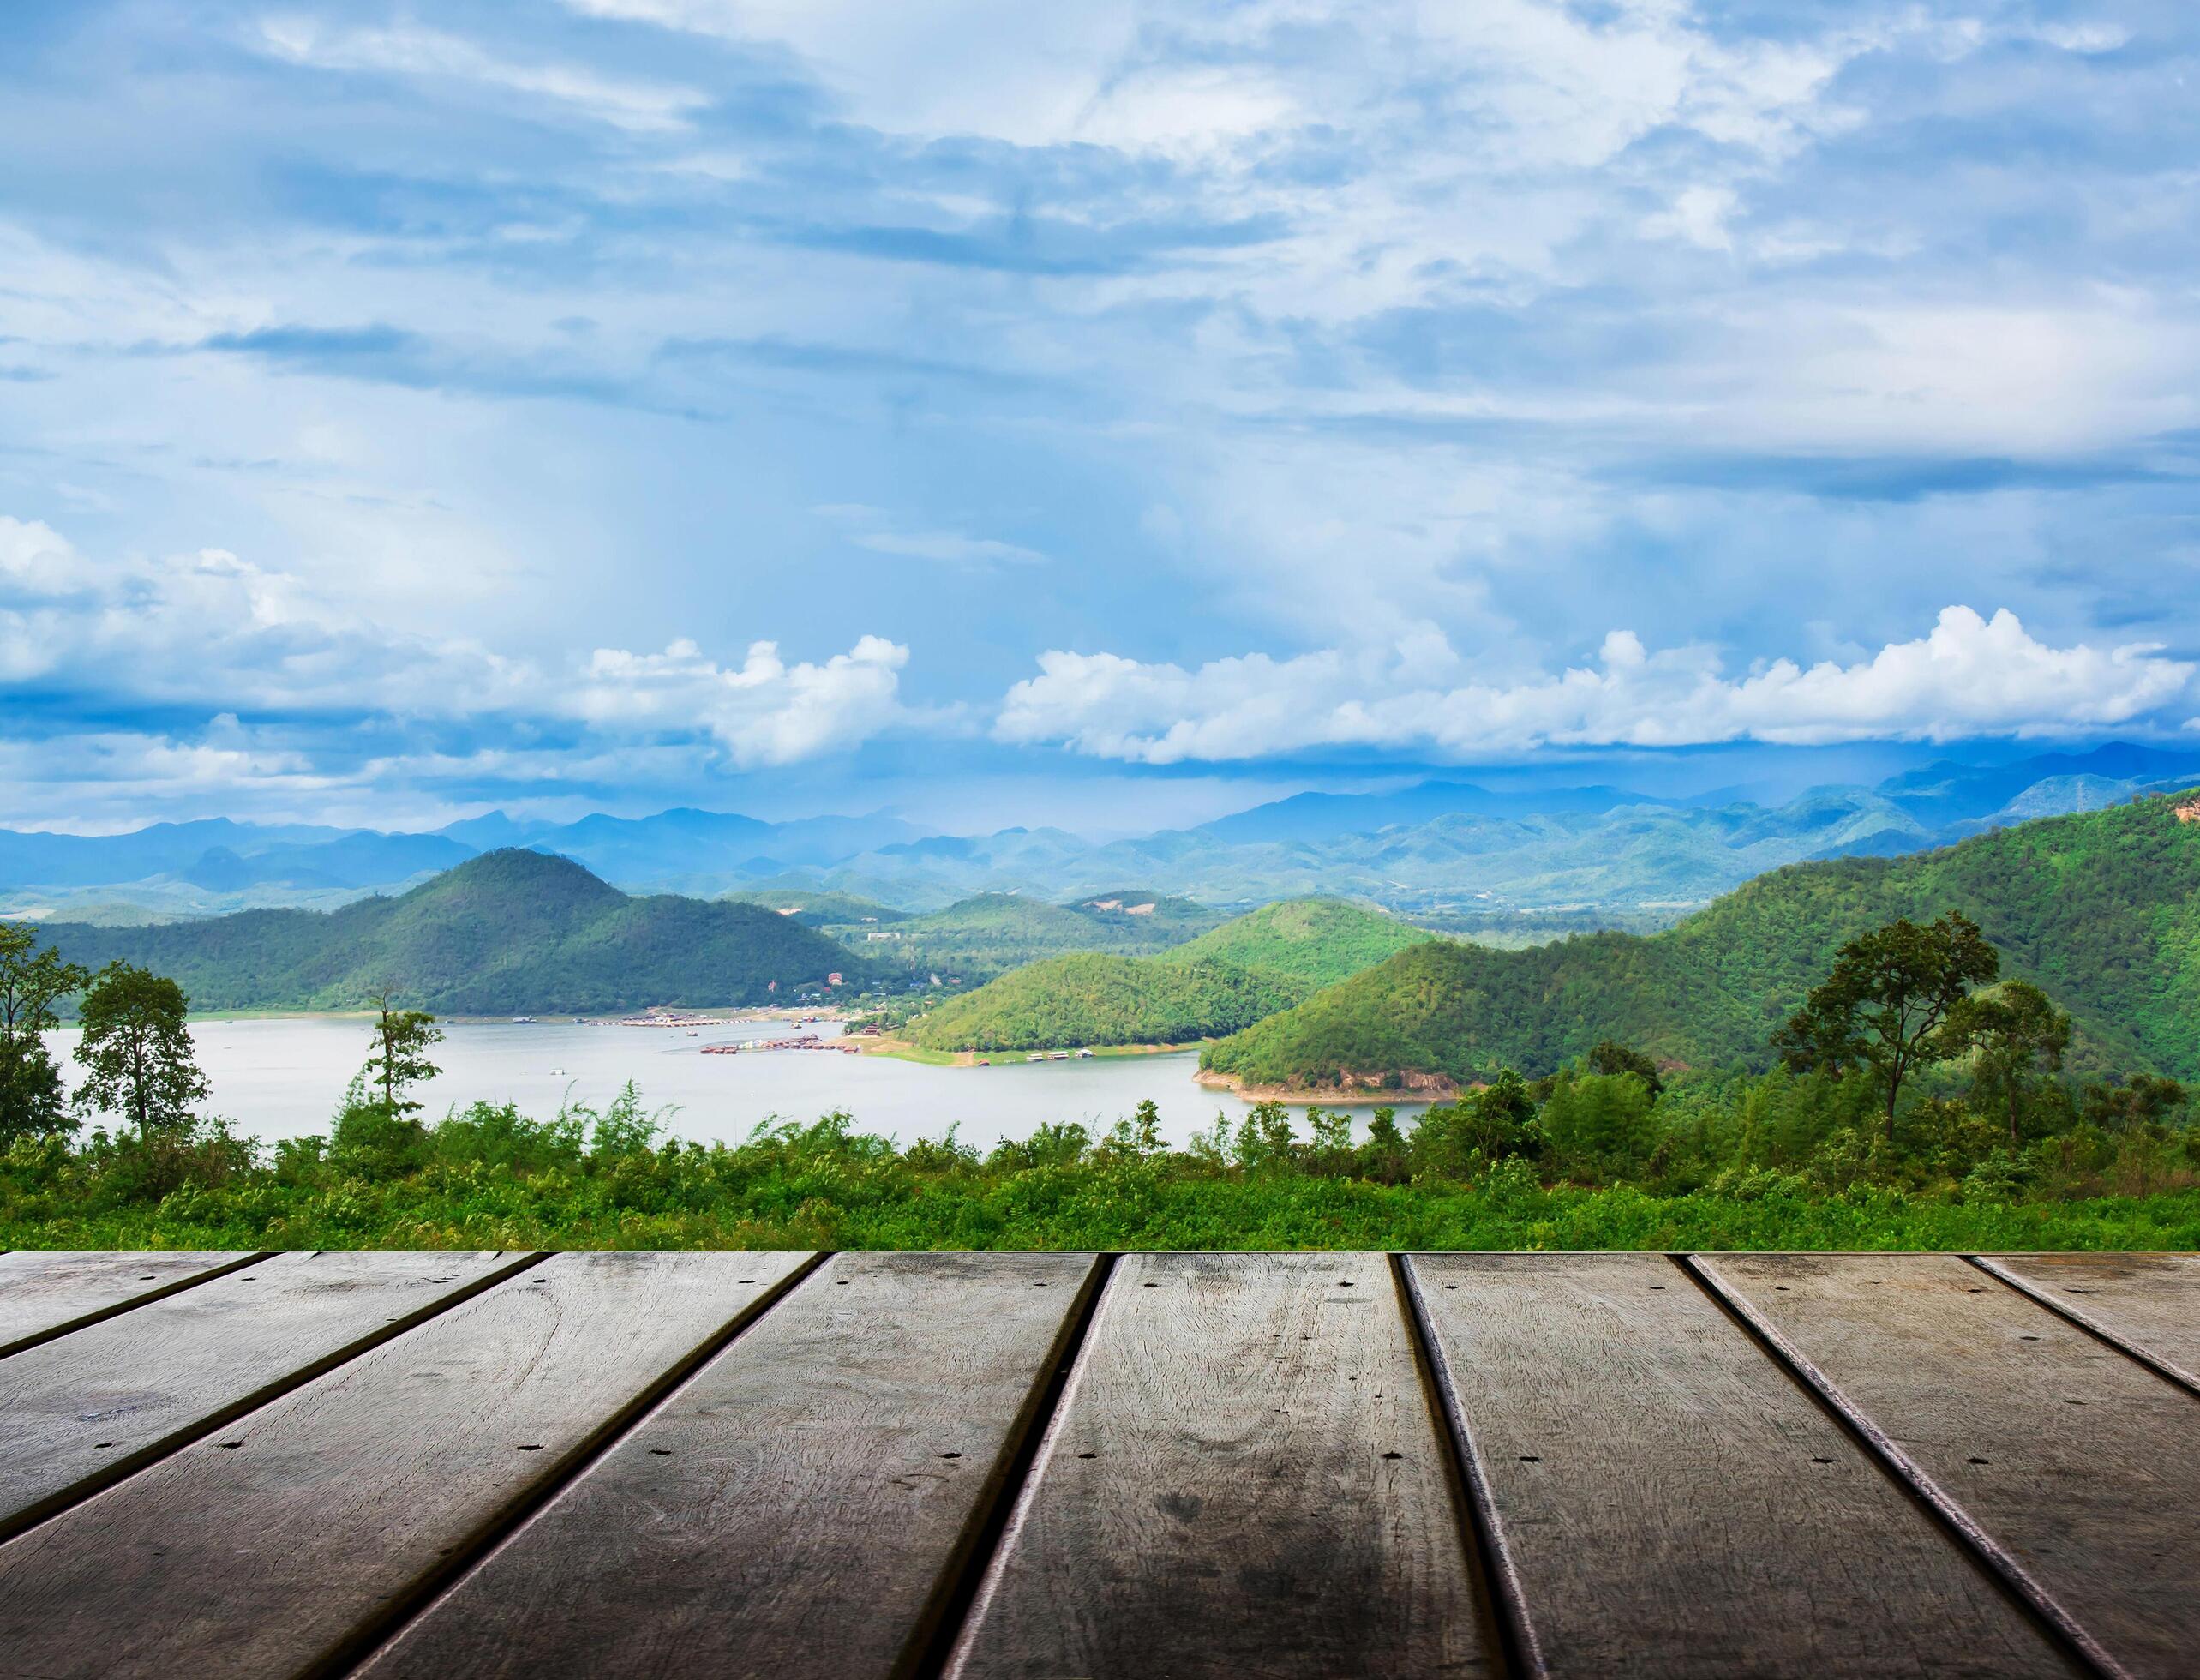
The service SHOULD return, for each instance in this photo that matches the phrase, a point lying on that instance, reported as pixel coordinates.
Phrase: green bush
(1776, 1161)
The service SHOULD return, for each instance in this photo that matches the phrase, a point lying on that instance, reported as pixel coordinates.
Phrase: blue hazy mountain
(1949, 792)
(1325, 816)
(240, 854)
(1438, 848)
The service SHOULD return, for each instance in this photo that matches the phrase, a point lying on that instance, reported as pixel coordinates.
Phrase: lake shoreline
(557, 1017)
(903, 1050)
(283, 1076)
(1434, 1089)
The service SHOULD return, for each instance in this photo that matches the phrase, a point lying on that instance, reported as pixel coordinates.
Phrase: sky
(1108, 414)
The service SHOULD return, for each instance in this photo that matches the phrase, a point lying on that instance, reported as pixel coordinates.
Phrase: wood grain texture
(42, 1294)
(85, 1409)
(2151, 1303)
(799, 1508)
(1244, 1478)
(2073, 1460)
(1669, 1502)
(280, 1544)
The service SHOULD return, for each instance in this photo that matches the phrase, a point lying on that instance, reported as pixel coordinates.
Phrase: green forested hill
(820, 907)
(1065, 1001)
(1318, 940)
(1228, 978)
(996, 932)
(506, 932)
(2103, 910)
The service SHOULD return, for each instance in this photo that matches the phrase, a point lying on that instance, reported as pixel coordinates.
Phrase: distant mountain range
(1523, 863)
(2101, 909)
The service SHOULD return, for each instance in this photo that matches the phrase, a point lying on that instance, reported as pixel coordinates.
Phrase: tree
(1136, 1137)
(1264, 1137)
(1600, 1123)
(2018, 1034)
(136, 1050)
(1384, 1157)
(400, 1057)
(32, 980)
(1489, 1124)
(2144, 1100)
(1893, 1003)
(1613, 1058)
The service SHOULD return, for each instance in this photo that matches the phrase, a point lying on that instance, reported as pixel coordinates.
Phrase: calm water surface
(282, 1077)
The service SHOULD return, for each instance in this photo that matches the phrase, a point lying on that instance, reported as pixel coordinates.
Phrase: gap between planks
(40, 1511)
(2032, 1596)
(1496, 1579)
(116, 1309)
(367, 1639)
(2163, 1368)
(929, 1652)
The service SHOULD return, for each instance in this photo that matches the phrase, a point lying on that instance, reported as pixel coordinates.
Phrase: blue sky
(1100, 414)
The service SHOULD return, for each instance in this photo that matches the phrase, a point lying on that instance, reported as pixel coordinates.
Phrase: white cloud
(1575, 93)
(1699, 215)
(35, 559)
(1017, 72)
(873, 529)
(107, 779)
(209, 630)
(410, 50)
(1969, 676)
(764, 711)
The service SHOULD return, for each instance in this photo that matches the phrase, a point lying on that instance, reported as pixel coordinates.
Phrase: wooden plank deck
(1060, 1464)
(85, 1409)
(43, 1295)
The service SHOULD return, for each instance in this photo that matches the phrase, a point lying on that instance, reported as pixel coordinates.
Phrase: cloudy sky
(1085, 412)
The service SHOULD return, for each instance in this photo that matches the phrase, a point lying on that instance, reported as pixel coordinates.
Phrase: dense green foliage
(1774, 1162)
(995, 932)
(1069, 1001)
(507, 931)
(1319, 941)
(33, 981)
(841, 911)
(2102, 911)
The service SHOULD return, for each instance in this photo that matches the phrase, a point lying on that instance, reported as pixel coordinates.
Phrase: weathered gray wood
(282, 1542)
(43, 1294)
(799, 1507)
(1668, 1503)
(2149, 1303)
(2073, 1462)
(1243, 1478)
(85, 1409)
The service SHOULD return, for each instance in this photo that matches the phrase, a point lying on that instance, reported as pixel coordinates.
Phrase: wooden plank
(801, 1508)
(1665, 1500)
(2073, 1463)
(288, 1540)
(43, 1295)
(85, 1409)
(1244, 1478)
(2148, 1303)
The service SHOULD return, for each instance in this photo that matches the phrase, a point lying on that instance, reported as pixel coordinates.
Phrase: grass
(1073, 1208)
(490, 1177)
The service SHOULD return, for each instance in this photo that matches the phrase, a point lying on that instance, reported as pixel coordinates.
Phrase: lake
(281, 1077)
